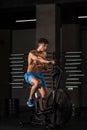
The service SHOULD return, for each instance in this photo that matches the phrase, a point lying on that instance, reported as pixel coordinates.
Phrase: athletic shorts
(29, 75)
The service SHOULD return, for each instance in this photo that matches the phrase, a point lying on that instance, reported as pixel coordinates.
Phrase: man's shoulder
(32, 51)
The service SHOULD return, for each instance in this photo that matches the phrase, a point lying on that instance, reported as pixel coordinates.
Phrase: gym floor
(78, 122)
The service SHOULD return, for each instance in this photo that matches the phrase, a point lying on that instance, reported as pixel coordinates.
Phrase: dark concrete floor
(78, 122)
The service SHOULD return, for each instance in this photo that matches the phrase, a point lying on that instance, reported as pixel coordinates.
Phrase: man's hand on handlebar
(52, 62)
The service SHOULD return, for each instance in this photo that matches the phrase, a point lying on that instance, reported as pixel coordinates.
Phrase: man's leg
(35, 83)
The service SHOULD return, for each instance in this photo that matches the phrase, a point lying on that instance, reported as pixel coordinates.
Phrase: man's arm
(38, 58)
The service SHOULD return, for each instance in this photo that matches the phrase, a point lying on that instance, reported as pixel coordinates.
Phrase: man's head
(42, 44)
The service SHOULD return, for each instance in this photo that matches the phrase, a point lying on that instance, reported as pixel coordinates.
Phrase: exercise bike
(59, 100)
(59, 106)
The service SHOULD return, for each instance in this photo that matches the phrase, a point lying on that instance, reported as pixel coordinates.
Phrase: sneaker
(30, 103)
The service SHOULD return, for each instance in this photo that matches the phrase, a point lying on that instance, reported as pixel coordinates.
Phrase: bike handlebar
(56, 70)
(57, 67)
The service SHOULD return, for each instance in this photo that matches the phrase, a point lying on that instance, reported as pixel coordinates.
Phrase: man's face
(43, 46)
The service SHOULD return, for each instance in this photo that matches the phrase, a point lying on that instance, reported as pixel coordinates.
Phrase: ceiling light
(28, 20)
(82, 17)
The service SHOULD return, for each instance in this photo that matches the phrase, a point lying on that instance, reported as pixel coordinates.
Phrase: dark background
(66, 33)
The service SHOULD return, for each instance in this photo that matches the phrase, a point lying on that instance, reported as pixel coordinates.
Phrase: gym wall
(84, 65)
(22, 42)
(5, 49)
(71, 61)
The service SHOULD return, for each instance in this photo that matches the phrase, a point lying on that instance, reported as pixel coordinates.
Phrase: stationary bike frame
(59, 103)
(54, 89)
(55, 75)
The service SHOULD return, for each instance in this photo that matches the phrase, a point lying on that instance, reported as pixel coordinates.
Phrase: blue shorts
(29, 75)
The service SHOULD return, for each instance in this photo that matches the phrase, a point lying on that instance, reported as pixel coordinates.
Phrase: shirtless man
(36, 63)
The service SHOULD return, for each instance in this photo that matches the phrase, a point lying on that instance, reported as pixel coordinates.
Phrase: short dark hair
(43, 40)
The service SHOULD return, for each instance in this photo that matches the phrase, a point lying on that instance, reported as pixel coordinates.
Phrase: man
(36, 63)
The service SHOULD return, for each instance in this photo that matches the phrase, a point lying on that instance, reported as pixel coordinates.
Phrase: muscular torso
(36, 66)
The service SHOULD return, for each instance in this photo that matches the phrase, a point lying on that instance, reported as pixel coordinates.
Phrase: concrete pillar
(48, 25)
